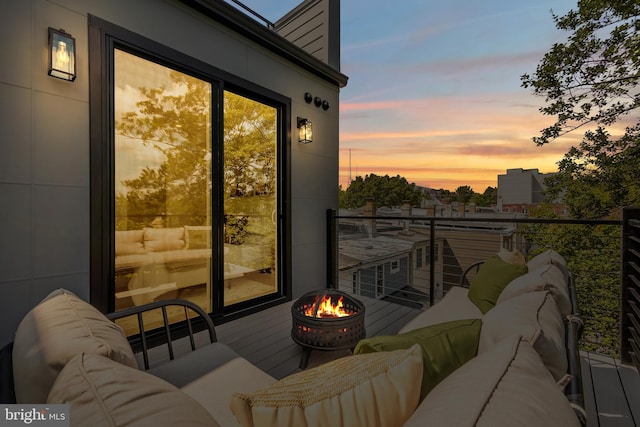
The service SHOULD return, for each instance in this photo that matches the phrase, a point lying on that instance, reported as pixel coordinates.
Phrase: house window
(394, 266)
(192, 159)
(419, 258)
(355, 282)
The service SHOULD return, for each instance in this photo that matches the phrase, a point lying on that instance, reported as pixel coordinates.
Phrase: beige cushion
(454, 306)
(512, 257)
(507, 386)
(535, 316)
(376, 389)
(164, 239)
(53, 332)
(547, 277)
(129, 242)
(549, 257)
(237, 375)
(101, 392)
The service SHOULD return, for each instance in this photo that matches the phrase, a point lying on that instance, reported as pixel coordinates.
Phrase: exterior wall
(520, 186)
(314, 25)
(44, 134)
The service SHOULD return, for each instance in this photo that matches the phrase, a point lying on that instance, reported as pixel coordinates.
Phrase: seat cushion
(493, 276)
(445, 347)
(543, 278)
(215, 389)
(454, 306)
(101, 392)
(186, 368)
(377, 389)
(507, 386)
(52, 333)
(535, 316)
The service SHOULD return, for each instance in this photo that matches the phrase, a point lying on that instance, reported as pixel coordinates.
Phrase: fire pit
(326, 320)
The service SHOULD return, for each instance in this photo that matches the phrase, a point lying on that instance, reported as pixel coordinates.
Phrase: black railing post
(432, 261)
(332, 249)
(630, 295)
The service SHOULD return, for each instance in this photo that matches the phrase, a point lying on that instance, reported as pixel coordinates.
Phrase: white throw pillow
(375, 389)
(506, 386)
(536, 317)
(52, 333)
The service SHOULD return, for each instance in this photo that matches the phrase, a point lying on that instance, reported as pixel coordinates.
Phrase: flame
(326, 308)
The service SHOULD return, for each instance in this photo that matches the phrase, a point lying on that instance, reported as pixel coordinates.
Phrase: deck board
(612, 388)
(589, 398)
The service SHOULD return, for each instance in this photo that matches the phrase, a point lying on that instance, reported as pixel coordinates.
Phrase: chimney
(369, 210)
(460, 210)
(405, 209)
(431, 210)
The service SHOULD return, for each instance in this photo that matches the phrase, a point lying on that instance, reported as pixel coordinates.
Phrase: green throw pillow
(493, 276)
(199, 239)
(445, 347)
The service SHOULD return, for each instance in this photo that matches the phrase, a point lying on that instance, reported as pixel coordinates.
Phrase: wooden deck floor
(612, 390)
(264, 338)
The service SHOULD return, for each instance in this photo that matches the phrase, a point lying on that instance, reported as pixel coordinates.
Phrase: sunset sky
(434, 88)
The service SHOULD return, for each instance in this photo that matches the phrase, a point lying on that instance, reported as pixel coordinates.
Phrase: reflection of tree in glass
(179, 127)
(250, 149)
(178, 124)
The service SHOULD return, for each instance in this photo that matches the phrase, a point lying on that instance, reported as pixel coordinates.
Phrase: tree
(385, 190)
(464, 193)
(590, 83)
(488, 198)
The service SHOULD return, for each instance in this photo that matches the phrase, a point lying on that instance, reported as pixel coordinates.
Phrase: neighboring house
(382, 256)
(172, 165)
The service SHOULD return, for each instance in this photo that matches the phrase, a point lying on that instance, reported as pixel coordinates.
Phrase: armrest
(574, 326)
(166, 328)
(475, 266)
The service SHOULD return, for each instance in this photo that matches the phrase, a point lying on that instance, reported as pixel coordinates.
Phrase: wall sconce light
(305, 131)
(62, 55)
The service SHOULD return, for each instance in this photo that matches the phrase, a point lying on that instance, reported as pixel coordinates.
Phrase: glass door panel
(162, 167)
(250, 195)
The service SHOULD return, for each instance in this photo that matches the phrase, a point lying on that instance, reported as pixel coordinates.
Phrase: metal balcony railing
(414, 261)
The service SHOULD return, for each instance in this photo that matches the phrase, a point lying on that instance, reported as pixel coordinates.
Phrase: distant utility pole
(349, 166)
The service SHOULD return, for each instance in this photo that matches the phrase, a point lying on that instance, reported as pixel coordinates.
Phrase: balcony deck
(612, 390)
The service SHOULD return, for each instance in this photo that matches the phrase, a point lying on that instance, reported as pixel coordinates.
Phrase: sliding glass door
(195, 207)
(250, 198)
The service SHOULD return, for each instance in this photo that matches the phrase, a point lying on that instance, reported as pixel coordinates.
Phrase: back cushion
(129, 242)
(549, 257)
(507, 386)
(101, 392)
(52, 333)
(536, 317)
(164, 239)
(543, 278)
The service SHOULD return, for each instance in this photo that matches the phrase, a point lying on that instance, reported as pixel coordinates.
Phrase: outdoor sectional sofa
(507, 366)
(154, 261)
